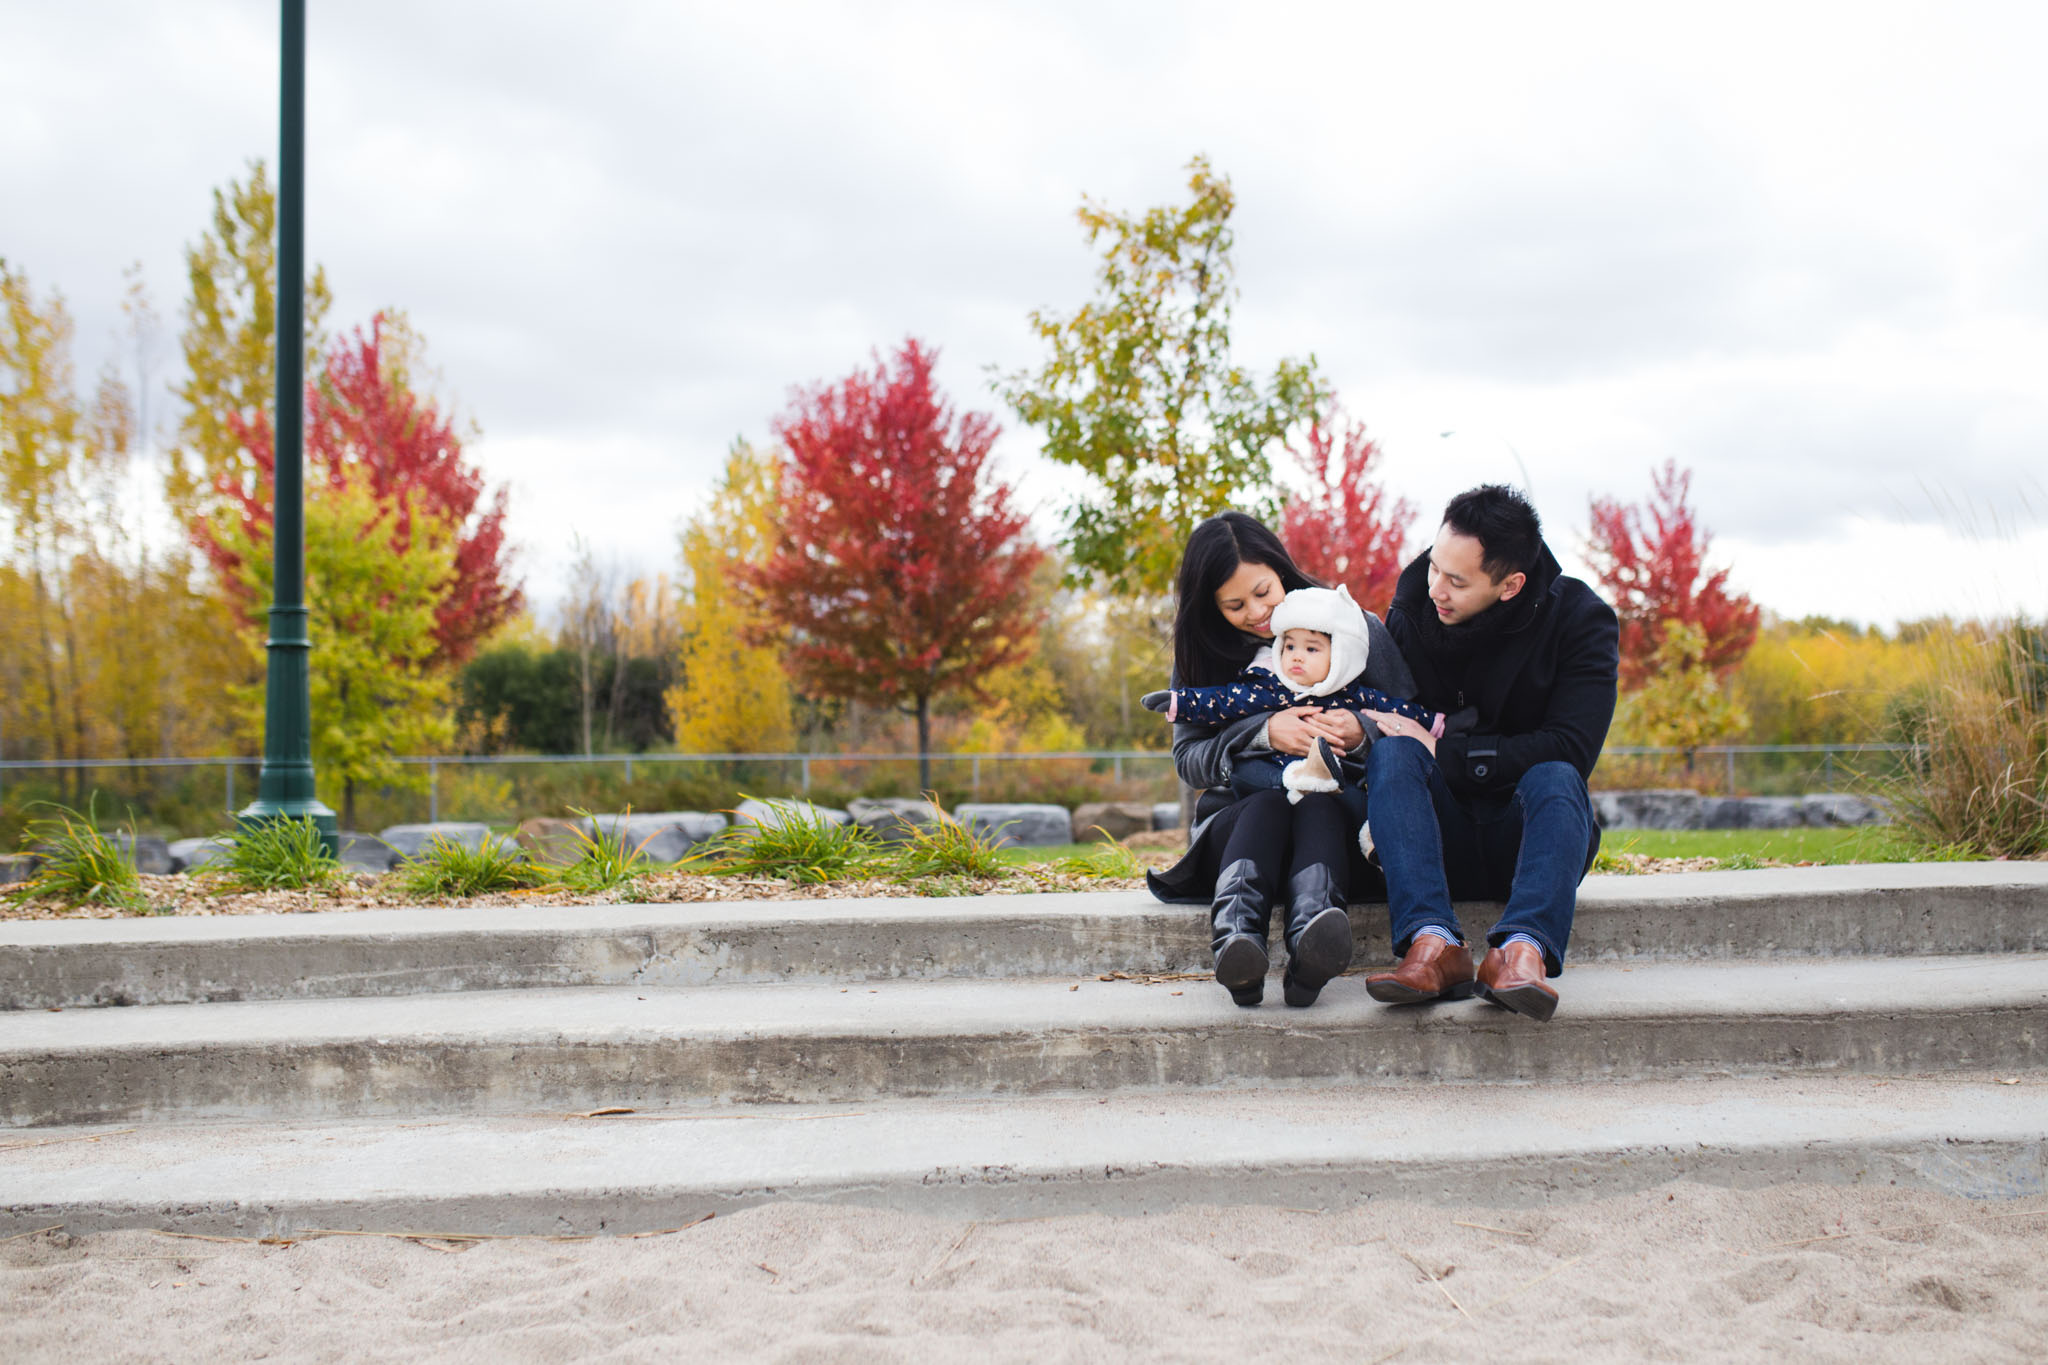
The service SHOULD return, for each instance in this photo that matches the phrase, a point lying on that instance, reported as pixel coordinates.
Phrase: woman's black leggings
(1283, 838)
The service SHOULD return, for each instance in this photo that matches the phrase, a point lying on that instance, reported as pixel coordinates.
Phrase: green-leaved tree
(1140, 391)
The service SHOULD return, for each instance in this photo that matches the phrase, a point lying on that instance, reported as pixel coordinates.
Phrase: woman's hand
(1391, 724)
(1292, 731)
(1342, 729)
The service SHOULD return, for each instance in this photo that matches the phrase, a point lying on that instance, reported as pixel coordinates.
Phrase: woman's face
(1248, 596)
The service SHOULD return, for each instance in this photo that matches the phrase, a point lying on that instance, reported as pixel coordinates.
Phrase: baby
(1322, 652)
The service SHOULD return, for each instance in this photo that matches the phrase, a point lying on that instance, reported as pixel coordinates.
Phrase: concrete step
(1509, 1147)
(487, 1052)
(1881, 909)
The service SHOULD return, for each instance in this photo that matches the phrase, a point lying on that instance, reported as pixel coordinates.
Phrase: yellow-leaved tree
(372, 584)
(733, 697)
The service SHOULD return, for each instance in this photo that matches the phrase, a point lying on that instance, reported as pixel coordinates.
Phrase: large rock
(1840, 808)
(892, 819)
(1676, 809)
(189, 855)
(18, 867)
(770, 814)
(1095, 821)
(1036, 826)
(661, 836)
(410, 840)
(366, 852)
(1166, 815)
(1750, 812)
(548, 840)
(151, 855)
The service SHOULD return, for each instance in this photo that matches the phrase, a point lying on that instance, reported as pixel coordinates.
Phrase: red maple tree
(365, 426)
(901, 568)
(1650, 561)
(1346, 528)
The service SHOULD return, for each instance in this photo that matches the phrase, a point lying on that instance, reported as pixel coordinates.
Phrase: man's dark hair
(1206, 651)
(1509, 532)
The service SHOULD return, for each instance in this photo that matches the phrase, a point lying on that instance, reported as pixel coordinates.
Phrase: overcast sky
(1801, 248)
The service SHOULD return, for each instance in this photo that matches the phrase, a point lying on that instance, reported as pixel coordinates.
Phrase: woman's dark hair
(1206, 648)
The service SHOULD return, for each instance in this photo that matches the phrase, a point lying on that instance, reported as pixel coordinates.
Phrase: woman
(1245, 853)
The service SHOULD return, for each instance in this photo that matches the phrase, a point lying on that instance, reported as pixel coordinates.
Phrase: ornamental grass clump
(79, 864)
(1979, 781)
(1112, 860)
(448, 868)
(284, 854)
(800, 843)
(948, 848)
(604, 860)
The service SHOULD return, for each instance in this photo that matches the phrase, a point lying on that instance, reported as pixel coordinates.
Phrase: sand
(1683, 1272)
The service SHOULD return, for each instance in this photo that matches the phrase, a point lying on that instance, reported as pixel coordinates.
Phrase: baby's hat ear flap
(1345, 593)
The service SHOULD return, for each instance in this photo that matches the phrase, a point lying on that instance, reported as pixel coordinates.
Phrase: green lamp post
(285, 789)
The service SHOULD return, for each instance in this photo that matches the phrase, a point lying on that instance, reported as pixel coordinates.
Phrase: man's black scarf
(1453, 648)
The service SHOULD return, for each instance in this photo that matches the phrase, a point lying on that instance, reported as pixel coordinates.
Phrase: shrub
(805, 846)
(276, 855)
(81, 865)
(448, 868)
(1981, 782)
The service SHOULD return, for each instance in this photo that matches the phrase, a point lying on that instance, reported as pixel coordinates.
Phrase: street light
(1528, 485)
(284, 791)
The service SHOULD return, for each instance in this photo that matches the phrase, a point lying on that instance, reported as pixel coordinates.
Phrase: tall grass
(80, 864)
(803, 845)
(1981, 719)
(275, 855)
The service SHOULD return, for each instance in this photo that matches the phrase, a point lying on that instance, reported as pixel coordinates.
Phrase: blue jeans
(1434, 848)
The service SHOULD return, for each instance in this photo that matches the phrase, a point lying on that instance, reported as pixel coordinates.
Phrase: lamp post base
(262, 812)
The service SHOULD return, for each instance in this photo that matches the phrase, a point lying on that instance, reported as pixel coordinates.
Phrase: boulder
(773, 812)
(1674, 809)
(151, 855)
(1096, 820)
(661, 836)
(1772, 812)
(409, 840)
(548, 840)
(892, 818)
(1166, 815)
(189, 855)
(366, 852)
(18, 867)
(1837, 809)
(1018, 824)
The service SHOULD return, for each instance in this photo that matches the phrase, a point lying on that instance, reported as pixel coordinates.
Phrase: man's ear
(1512, 584)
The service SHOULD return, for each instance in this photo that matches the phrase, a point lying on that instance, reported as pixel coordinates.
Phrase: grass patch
(1757, 847)
(604, 859)
(276, 855)
(1103, 861)
(80, 864)
(948, 849)
(805, 846)
(447, 868)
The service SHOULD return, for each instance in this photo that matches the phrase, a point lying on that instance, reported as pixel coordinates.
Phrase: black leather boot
(1318, 934)
(1239, 917)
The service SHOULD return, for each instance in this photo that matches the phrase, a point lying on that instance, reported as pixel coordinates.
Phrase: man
(1525, 661)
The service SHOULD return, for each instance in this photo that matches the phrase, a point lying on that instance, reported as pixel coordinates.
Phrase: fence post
(974, 777)
(229, 768)
(629, 773)
(433, 792)
(805, 764)
(1827, 765)
(1118, 768)
(1731, 772)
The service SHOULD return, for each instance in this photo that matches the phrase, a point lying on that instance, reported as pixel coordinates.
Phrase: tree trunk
(584, 651)
(924, 743)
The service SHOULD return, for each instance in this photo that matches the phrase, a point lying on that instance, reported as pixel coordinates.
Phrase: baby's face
(1304, 656)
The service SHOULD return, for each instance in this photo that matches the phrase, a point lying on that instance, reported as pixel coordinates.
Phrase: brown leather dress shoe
(1432, 970)
(1513, 977)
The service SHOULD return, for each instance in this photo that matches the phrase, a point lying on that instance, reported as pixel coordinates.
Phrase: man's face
(1458, 584)
(1304, 656)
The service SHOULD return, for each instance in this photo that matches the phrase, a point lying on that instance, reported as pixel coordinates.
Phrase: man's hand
(1294, 730)
(1391, 724)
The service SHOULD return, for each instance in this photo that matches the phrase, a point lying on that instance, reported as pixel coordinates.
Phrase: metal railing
(1835, 761)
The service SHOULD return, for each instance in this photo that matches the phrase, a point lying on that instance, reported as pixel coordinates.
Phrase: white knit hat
(1331, 611)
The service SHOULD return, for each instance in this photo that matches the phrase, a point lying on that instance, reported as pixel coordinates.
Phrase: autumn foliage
(901, 568)
(1346, 528)
(366, 428)
(1650, 563)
